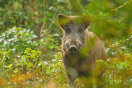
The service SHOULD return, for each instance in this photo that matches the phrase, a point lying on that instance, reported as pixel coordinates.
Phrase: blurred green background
(30, 41)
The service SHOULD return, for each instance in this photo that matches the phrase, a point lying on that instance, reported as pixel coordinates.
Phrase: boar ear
(61, 16)
(86, 20)
(63, 20)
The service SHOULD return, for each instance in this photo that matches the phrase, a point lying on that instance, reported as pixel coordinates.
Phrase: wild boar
(80, 47)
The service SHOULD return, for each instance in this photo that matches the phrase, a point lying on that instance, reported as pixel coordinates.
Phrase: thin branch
(123, 5)
(43, 26)
(54, 16)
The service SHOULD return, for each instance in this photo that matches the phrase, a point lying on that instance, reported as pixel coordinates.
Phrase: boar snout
(73, 47)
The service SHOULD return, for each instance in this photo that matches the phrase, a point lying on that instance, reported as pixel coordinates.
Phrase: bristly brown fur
(92, 49)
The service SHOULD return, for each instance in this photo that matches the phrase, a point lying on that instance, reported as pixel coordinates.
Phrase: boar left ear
(60, 16)
(63, 20)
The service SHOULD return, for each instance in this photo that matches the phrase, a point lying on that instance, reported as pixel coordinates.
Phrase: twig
(54, 16)
(121, 6)
(43, 17)
(42, 28)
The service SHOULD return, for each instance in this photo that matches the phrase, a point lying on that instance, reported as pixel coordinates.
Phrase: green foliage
(31, 14)
(117, 71)
(13, 43)
(108, 21)
(30, 41)
(20, 53)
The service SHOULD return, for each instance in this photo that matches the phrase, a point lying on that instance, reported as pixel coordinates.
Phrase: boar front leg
(72, 73)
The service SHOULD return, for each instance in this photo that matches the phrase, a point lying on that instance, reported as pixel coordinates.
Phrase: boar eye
(67, 30)
(80, 30)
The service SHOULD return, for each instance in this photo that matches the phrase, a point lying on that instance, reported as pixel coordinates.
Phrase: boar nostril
(72, 48)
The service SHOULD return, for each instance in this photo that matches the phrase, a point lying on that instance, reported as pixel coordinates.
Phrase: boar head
(74, 28)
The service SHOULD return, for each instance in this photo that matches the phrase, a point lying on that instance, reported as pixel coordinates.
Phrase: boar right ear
(63, 20)
(86, 20)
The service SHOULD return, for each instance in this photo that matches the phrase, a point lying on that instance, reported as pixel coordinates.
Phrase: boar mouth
(73, 49)
(73, 53)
